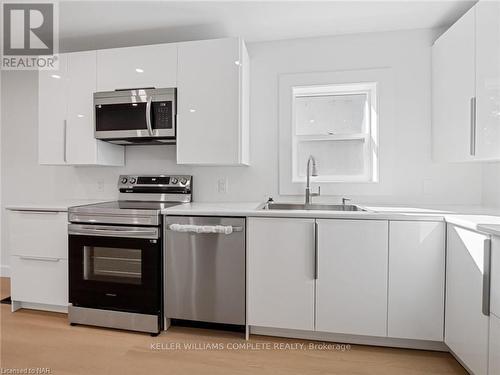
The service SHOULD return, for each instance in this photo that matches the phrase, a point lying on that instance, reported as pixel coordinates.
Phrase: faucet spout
(311, 162)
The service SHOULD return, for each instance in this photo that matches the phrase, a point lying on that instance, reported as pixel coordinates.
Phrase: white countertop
(58, 206)
(484, 219)
(472, 217)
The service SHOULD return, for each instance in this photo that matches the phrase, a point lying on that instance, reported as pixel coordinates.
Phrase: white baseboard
(350, 339)
(4, 271)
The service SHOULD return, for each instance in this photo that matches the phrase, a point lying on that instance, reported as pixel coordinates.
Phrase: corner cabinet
(213, 102)
(466, 326)
(66, 115)
(466, 87)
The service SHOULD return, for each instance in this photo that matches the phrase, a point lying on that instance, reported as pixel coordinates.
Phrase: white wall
(415, 179)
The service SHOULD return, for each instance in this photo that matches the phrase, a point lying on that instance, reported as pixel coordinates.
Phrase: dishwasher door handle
(204, 229)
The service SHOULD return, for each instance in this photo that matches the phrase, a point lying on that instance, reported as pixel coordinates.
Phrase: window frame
(369, 136)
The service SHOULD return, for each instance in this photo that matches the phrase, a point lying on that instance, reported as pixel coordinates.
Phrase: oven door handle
(148, 115)
(113, 231)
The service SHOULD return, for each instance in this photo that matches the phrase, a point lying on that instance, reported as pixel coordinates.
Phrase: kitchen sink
(314, 207)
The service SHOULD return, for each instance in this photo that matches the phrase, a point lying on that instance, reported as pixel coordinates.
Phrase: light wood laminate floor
(34, 339)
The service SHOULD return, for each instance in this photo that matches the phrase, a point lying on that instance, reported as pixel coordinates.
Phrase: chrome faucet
(309, 173)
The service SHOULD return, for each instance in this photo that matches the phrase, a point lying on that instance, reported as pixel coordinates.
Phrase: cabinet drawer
(37, 233)
(39, 280)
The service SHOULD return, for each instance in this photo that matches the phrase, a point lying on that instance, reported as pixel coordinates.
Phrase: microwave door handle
(148, 115)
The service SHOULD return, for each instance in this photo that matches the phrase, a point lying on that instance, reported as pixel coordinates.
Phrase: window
(337, 125)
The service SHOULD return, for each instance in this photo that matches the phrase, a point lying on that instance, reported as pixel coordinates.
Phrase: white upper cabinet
(453, 90)
(466, 87)
(351, 285)
(66, 115)
(52, 101)
(488, 80)
(280, 261)
(416, 280)
(137, 67)
(213, 98)
(466, 327)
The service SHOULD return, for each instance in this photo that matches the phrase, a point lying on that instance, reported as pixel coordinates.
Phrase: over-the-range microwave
(136, 116)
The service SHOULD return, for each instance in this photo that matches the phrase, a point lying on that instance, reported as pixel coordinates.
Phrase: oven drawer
(38, 233)
(39, 280)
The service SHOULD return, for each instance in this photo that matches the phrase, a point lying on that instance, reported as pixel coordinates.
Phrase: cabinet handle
(473, 126)
(65, 130)
(315, 250)
(148, 116)
(486, 276)
(41, 259)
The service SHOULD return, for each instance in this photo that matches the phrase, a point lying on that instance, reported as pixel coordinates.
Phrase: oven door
(139, 113)
(115, 268)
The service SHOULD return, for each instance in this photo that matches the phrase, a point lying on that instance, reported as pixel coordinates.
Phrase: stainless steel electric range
(116, 254)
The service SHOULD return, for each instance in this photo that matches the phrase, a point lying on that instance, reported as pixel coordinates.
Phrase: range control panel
(152, 181)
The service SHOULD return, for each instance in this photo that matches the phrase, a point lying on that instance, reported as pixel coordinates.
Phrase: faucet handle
(345, 200)
(318, 193)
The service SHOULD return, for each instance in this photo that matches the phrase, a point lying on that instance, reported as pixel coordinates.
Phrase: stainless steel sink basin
(316, 207)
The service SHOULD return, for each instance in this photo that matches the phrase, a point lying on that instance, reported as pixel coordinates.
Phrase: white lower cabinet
(351, 286)
(466, 327)
(280, 260)
(39, 280)
(355, 277)
(416, 280)
(38, 245)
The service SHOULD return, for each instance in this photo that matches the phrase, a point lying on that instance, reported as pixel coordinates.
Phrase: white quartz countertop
(477, 218)
(58, 206)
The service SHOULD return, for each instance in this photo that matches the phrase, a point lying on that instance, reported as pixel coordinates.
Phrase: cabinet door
(453, 86)
(416, 280)
(351, 289)
(81, 146)
(488, 79)
(39, 280)
(466, 328)
(52, 102)
(209, 123)
(494, 359)
(137, 67)
(280, 261)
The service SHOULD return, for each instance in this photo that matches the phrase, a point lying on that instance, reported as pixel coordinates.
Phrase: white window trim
(385, 132)
(369, 137)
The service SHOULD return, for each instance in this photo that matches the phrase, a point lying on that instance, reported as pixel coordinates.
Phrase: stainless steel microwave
(136, 116)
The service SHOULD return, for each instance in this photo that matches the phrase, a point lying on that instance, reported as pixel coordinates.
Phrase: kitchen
(415, 194)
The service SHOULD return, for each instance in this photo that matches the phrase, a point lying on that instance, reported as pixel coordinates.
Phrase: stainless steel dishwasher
(205, 269)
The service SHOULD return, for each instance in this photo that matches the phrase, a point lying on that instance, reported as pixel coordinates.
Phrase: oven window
(109, 264)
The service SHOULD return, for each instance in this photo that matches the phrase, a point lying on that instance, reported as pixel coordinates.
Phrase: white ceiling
(103, 24)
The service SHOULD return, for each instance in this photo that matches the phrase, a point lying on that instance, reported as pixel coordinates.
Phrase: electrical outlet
(222, 185)
(100, 186)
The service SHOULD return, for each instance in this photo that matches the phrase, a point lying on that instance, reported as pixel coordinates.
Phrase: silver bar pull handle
(148, 115)
(315, 250)
(473, 126)
(65, 133)
(41, 259)
(204, 229)
(486, 276)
